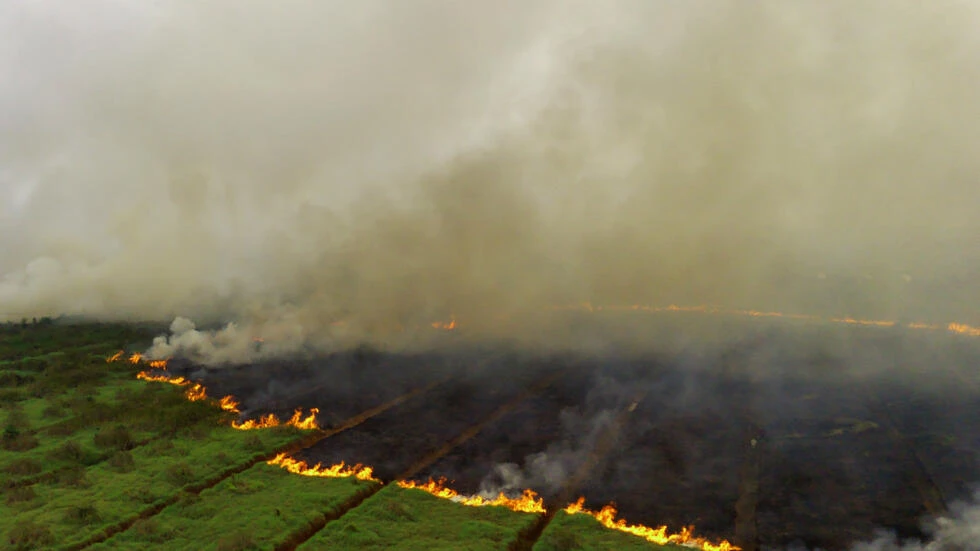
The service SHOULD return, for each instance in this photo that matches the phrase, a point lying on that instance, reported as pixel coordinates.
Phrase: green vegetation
(396, 518)
(251, 510)
(584, 533)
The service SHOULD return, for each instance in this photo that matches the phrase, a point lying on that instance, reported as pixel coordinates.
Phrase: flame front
(270, 420)
(529, 502)
(445, 326)
(300, 467)
(607, 517)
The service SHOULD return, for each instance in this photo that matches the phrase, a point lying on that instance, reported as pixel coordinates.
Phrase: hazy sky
(294, 163)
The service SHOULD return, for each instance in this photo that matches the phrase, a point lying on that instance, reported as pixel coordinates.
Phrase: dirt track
(760, 439)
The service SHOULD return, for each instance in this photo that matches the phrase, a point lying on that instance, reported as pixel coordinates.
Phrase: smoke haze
(324, 173)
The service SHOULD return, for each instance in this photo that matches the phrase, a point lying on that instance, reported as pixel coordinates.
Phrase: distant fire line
(196, 392)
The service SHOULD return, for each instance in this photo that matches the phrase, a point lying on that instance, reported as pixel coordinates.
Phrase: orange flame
(529, 502)
(958, 328)
(135, 358)
(444, 325)
(270, 420)
(159, 364)
(229, 403)
(340, 470)
(607, 517)
(114, 358)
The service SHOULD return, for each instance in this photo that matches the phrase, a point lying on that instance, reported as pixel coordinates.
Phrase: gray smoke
(331, 172)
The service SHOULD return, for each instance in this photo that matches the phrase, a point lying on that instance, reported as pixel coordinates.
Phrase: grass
(583, 533)
(251, 510)
(397, 518)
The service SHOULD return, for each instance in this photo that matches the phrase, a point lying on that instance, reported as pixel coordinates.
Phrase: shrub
(180, 473)
(27, 535)
(53, 411)
(14, 440)
(253, 442)
(82, 514)
(115, 438)
(20, 495)
(240, 541)
(24, 466)
(73, 477)
(122, 462)
(69, 451)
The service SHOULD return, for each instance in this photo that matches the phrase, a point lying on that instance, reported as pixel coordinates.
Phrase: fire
(444, 325)
(607, 517)
(159, 364)
(114, 358)
(270, 420)
(229, 403)
(964, 329)
(135, 358)
(529, 502)
(340, 470)
(958, 328)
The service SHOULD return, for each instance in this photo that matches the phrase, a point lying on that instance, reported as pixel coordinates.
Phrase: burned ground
(772, 440)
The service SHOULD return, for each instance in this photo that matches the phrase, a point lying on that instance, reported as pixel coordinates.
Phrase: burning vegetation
(340, 470)
(607, 517)
(528, 502)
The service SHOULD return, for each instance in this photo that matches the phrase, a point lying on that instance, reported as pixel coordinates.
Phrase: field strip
(298, 538)
(746, 526)
(603, 446)
(293, 447)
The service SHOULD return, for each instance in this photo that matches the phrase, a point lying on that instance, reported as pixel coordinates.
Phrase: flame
(229, 403)
(340, 470)
(159, 364)
(529, 502)
(114, 358)
(135, 358)
(964, 329)
(958, 328)
(444, 325)
(270, 420)
(607, 517)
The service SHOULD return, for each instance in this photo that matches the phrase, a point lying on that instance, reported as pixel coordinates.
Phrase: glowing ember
(340, 470)
(607, 517)
(529, 502)
(270, 420)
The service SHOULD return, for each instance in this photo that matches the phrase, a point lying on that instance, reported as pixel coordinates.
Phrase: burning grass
(528, 502)
(397, 515)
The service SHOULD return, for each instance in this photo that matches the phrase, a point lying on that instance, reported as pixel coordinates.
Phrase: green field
(92, 458)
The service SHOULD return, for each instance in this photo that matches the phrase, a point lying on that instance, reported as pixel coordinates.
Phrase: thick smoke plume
(324, 173)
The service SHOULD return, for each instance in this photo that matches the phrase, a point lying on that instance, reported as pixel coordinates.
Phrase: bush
(20, 495)
(82, 514)
(253, 442)
(122, 462)
(240, 541)
(13, 440)
(27, 535)
(69, 451)
(53, 411)
(73, 477)
(117, 438)
(180, 474)
(23, 467)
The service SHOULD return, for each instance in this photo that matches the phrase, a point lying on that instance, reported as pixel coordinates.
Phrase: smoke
(957, 531)
(329, 172)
